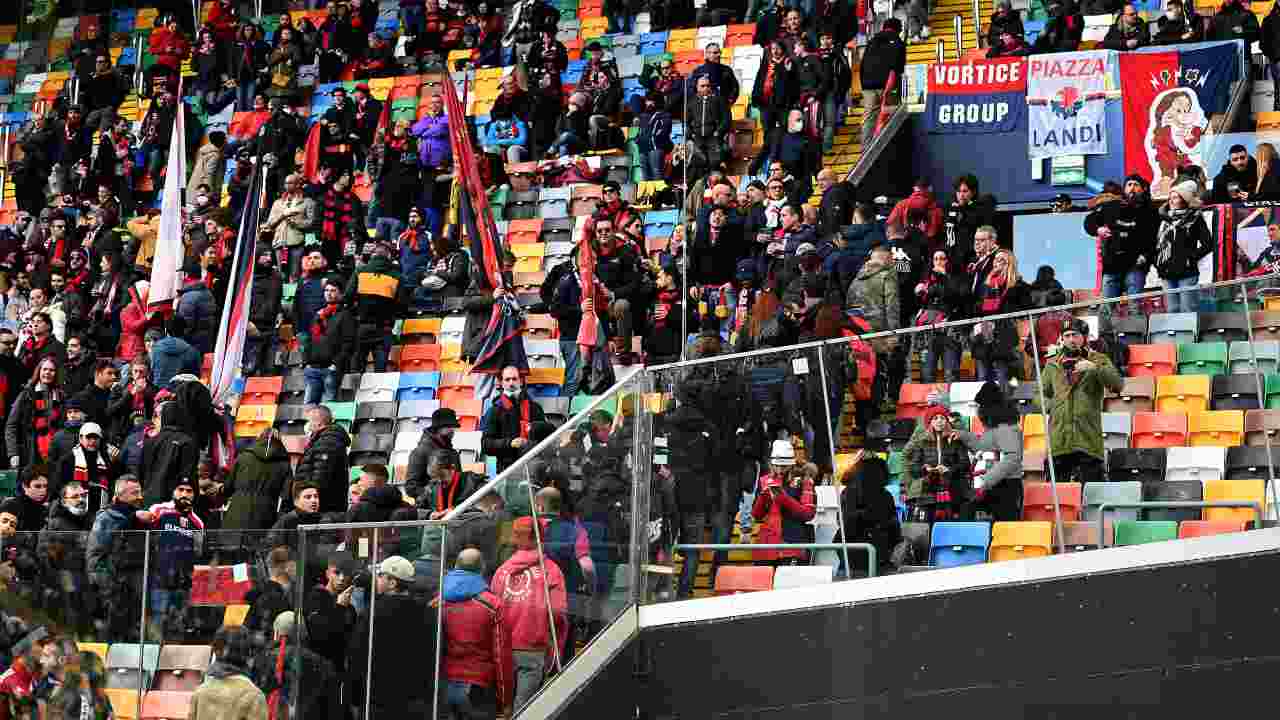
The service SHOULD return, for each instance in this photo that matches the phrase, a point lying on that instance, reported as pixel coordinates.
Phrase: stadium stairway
(940, 27)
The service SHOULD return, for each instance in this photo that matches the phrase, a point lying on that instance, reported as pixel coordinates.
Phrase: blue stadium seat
(959, 543)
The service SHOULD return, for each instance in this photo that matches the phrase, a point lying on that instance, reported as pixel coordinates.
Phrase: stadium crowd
(109, 424)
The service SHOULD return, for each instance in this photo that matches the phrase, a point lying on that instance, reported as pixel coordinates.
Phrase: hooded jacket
(199, 310)
(522, 588)
(257, 485)
(324, 464)
(227, 694)
(433, 140)
(170, 456)
(475, 641)
(919, 200)
(875, 291)
(784, 518)
(134, 323)
(172, 356)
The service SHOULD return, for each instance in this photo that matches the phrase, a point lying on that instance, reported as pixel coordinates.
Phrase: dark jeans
(464, 701)
(692, 527)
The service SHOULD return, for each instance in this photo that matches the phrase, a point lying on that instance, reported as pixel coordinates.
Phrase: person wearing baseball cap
(522, 584)
(404, 631)
(1078, 378)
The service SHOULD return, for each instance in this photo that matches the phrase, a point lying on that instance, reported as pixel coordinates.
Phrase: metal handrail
(1170, 505)
(722, 547)
(977, 23)
(957, 29)
(1020, 315)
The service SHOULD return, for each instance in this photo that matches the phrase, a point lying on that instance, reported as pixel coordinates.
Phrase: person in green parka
(258, 484)
(1075, 381)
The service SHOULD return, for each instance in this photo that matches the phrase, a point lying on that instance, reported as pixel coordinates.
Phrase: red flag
(484, 240)
(384, 118)
(588, 331)
(311, 153)
(1150, 150)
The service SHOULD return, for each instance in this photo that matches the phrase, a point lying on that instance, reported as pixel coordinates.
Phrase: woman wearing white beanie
(1181, 242)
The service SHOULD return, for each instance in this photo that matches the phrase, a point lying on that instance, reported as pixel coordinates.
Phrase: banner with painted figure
(1067, 103)
(1168, 99)
(984, 96)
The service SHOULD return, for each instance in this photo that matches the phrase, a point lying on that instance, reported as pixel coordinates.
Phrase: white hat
(397, 567)
(88, 429)
(1190, 192)
(783, 454)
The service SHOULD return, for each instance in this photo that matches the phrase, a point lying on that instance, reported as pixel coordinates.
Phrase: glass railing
(803, 464)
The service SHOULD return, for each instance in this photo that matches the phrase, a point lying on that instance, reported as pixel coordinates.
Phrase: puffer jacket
(199, 310)
(476, 649)
(172, 356)
(258, 483)
(64, 541)
(875, 291)
(783, 517)
(918, 200)
(265, 298)
(170, 456)
(324, 464)
(432, 132)
(1075, 409)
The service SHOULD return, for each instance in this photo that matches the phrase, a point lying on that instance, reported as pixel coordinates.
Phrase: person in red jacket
(170, 47)
(223, 19)
(476, 657)
(784, 505)
(921, 198)
(524, 583)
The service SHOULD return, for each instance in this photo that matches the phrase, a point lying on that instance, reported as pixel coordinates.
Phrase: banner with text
(984, 96)
(1067, 102)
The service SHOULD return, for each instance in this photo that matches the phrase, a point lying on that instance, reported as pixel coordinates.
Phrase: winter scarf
(47, 408)
(321, 324)
(339, 212)
(1178, 220)
(507, 404)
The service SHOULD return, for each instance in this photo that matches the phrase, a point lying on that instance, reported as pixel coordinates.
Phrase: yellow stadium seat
(545, 376)
(1033, 433)
(253, 419)
(1234, 490)
(99, 649)
(594, 27)
(1182, 393)
(428, 327)
(529, 256)
(234, 615)
(1018, 540)
(1218, 428)
(125, 704)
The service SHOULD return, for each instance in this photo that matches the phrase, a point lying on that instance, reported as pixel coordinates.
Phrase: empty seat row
(1204, 358)
(955, 544)
(1177, 328)
(1076, 501)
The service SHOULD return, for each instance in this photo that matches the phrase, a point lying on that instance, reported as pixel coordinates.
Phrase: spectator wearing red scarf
(505, 434)
(36, 416)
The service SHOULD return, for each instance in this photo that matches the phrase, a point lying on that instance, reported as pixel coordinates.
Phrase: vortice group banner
(1168, 98)
(984, 96)
(1067, 102)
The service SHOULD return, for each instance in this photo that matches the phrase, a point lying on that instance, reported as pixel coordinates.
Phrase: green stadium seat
(1139, 532)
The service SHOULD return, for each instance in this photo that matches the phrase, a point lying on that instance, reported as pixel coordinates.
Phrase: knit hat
(1189, 191)
(522, 533)
(783, 454)
(934, 411)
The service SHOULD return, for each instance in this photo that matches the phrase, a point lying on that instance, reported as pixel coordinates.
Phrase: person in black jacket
(505, 434)
(1004, 19)
(403, 633)
(1126, 229)
(968, 211)
(1063, 31)
(1237, 179)
(1181, 242)
(724, 83)
(943, 296)
(715, 252)
(168, 457)
(618, 271)
(835, 210)
(324, 461)
(707, 124)
(885, 54)
(265, 298)
(772, 93)
(839, 76)
(1128, 32)
(1234, 21)
(333, 343)
(95, 399)
(691, 439)
(1177, 26)
(306, 511)
(868, 511)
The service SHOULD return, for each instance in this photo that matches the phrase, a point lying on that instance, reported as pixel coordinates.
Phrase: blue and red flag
(1168, 100)
(501, 344)
(983, 96)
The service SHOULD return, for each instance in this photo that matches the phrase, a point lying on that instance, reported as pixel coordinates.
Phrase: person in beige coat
(209, 167)
(292, 215)
(227, 693)
(145, 229)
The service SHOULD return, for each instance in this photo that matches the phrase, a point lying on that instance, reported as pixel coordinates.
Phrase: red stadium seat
(1158, 430)
(1037, 501)
(1153, 360)
(732, 580)
(913, 399)
(1201, 528)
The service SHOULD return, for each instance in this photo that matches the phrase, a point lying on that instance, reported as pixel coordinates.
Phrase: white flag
(169, 249)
